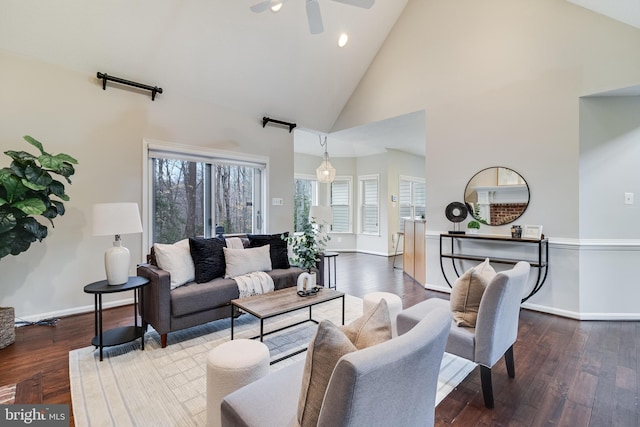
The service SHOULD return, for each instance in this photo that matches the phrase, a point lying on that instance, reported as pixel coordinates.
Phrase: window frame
(361, 206)
(412, 205)
(152, 149)
(349, 180)
(315, 193)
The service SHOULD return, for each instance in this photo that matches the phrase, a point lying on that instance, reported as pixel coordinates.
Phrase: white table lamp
(116, 219)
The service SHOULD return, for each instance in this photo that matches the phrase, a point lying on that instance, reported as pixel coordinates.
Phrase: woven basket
(7, 326)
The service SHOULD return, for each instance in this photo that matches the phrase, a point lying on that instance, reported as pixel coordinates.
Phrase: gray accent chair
(496, 328)
(389, 384)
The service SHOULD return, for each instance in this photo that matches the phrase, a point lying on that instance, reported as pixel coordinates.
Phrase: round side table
(123, 334)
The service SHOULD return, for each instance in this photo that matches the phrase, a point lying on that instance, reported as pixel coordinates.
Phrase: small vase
(303, 282)
(472, 230)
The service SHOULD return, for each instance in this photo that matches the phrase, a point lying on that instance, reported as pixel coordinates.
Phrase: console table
(540, 261)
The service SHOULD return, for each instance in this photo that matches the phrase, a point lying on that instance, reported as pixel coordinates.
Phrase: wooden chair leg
(487, 388)
(511, 367)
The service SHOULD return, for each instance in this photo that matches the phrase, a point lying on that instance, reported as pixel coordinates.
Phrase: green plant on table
(27, 190)
(308, 245)
(473, 225)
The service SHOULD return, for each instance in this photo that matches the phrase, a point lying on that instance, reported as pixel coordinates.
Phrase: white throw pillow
(243, 261)
(176, 259)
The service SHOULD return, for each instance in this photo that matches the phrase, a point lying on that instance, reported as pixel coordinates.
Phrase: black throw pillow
(277, 251)
(208, 258)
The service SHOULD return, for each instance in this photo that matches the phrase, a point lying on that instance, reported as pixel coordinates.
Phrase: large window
(192, 193)
(305, 196)
(412, 199)
(340, 198)
(369, 204)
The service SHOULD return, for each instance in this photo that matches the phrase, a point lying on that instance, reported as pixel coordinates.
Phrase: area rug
(7, 394)
(167, 386)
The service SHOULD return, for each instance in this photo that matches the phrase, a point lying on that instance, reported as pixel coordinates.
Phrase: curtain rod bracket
(266, 120)
(104, 76)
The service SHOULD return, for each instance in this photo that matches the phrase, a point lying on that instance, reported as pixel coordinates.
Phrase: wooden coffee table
(265, 306)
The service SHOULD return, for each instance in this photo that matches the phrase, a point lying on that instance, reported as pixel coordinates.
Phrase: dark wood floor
(568, 373)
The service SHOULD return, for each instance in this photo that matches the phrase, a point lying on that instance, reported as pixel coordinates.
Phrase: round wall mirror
(497, 195)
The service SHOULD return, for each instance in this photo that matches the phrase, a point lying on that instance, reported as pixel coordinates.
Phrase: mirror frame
(509, 176)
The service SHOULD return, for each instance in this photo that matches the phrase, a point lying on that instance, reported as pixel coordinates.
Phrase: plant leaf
(50, 162)
(33, 186)
(8, 222)
(21, 156)
(35, 143)
(57, 188)
(37, 175)
(66, 158)
(13, 186)
(30, 206)
(37, 230)
(5, 243)
(66, 170)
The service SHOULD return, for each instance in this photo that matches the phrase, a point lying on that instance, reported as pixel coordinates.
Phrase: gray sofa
(389, 384)
(192, 304)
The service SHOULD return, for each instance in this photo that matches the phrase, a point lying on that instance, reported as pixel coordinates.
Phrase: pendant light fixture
(325, 172)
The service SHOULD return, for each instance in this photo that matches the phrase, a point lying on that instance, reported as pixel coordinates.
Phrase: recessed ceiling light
(276, 6)
(343, 40)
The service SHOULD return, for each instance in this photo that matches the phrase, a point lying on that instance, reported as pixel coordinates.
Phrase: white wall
(500, 84)
(388, 167)
(610, 229)
(69, 112)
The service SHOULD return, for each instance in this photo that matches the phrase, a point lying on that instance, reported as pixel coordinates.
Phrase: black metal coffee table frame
(272, 304)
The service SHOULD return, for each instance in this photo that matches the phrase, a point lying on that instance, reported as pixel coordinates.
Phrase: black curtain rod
(105, 77)
(266, 120)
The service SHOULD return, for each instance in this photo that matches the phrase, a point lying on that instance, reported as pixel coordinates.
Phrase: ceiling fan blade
(314, 17)
(365, 4)
(261, 7)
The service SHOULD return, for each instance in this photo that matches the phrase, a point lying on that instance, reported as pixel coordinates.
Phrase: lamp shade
(116, 219)
(321, 214)
(326, 173)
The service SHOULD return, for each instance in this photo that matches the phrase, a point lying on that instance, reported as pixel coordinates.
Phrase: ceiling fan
(313, 10)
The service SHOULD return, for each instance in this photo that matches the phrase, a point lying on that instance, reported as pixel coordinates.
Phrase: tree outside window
(190, 198)
(305, 195)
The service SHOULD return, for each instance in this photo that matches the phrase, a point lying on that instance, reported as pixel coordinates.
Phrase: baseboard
(550, 310)
(437, 288)
(72, 311)
(582, 316)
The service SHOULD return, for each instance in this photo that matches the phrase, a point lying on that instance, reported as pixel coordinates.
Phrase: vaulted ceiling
(221, 52)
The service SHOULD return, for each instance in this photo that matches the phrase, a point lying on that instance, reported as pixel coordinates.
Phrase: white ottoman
(231, 366)
(394, 302)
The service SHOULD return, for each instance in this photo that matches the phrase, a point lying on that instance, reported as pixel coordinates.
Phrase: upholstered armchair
(496, 327)
(393, 383)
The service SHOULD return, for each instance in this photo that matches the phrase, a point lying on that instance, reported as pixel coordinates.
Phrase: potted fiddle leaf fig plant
(307, 248)
(28, 190)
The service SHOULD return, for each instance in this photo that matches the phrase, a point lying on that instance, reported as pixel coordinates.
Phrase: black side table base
(123, 334)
